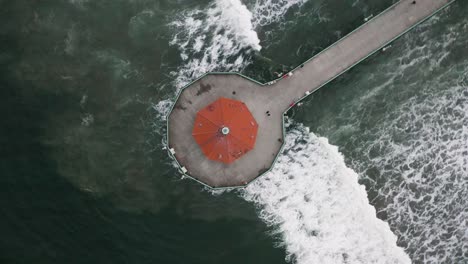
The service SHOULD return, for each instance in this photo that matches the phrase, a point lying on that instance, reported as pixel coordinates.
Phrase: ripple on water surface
(403, 128)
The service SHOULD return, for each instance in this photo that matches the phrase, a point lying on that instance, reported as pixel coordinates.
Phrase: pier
(268, 102)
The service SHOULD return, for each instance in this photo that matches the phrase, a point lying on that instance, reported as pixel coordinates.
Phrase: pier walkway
(278, 96)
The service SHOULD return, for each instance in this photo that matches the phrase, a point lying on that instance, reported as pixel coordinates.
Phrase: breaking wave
(222, 36)
(311, 198)
(266, 12)
(422, 158)
(419, 152)
(219, 37)
(407, 137)
(318, 209)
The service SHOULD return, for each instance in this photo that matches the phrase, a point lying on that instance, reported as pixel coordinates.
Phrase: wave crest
(319, 210)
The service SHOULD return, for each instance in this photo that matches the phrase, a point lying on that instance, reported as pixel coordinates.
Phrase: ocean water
(375, 167)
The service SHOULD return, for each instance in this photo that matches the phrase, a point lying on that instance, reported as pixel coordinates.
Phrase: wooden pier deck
(277, 96)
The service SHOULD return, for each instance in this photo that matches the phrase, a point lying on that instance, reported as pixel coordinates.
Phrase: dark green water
(83, 85)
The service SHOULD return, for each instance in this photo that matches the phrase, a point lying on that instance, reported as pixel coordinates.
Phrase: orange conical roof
(225, 130)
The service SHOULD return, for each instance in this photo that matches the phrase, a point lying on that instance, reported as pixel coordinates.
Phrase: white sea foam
(162, 108)
(424, 159)
(421, 155)
(218, 37)
(415, 158)
(311, 198)
(221, 36)
(266, 12)
(427, 144)
(316, 206)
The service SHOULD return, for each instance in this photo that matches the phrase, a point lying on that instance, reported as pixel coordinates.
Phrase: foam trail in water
(266, 12)
(415, 157)
(219, 38)
(215, 38)
(314, 202)
(312, 213)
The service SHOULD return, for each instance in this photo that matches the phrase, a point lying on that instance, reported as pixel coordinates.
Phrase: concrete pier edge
(179, 166)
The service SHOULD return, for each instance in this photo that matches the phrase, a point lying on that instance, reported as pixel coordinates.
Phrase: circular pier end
(230, 147)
